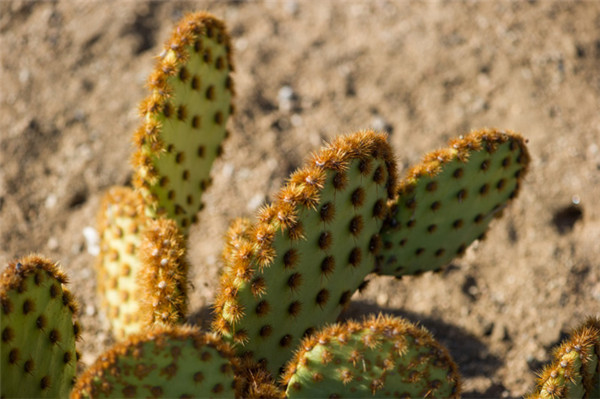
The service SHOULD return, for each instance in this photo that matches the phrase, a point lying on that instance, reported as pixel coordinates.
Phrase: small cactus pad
(448, 201)
(297, 267)
(383, 357)
(184, 118)
(163, 278)
(38, 330)
(165, 362)
(120, 224)
(575, 370)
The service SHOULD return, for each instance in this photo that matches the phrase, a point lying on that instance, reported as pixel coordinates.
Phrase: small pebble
(285, 96)
(296, 120)
(92, 240)
(382, 299)
(291, 6)
(90, 310)
(228, 170)
(52, 243)
(50, 201)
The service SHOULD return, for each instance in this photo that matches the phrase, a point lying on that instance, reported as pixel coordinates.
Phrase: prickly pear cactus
(169, 362)
(38, 330)
(163, 279)
(575, 370)
(121, 221)
(184, 118)
(448, 201)
(299, 264)
(381, 357)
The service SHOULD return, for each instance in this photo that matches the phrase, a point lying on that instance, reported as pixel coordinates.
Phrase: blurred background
(72, 74)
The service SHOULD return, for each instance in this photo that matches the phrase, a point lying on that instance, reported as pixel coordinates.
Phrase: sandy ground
(72, 74)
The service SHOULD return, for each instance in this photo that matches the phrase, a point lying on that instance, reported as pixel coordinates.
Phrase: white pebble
(90, 310)
(52, 243)
(92, 240)
(50, 201)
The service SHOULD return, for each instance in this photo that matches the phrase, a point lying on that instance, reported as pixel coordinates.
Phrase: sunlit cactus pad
(121, 221)
(382, 357)
(575, 369)
(38, 330)
(184, 118)
(165, 362)
(447, 201)
(163, 279)
(298, 265)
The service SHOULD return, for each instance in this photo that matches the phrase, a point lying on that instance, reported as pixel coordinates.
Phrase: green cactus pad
(163, 279)
(167, 362)
(184, 118)
(297, 267)
(121, 222)
(575, 370)
(38, 330)
(381, 357)
(448, 201)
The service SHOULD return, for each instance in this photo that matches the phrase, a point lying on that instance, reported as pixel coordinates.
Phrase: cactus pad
(121, 222)
(168, 362)
(380, 357)
(297, 267)
(163, 279)
(38, 330)
(184, 118)
(575, 370)
(448, 201)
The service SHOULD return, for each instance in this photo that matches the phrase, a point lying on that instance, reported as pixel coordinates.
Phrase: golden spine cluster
(461, 148)
(164, 276)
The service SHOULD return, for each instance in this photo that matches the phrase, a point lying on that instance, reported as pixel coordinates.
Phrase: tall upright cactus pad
(184, 118)
(38, 329)
(299, 264)
(167, 362)
(121, 221)
(163, 279)
(575, 370)
(448, 201)
(383, 357)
